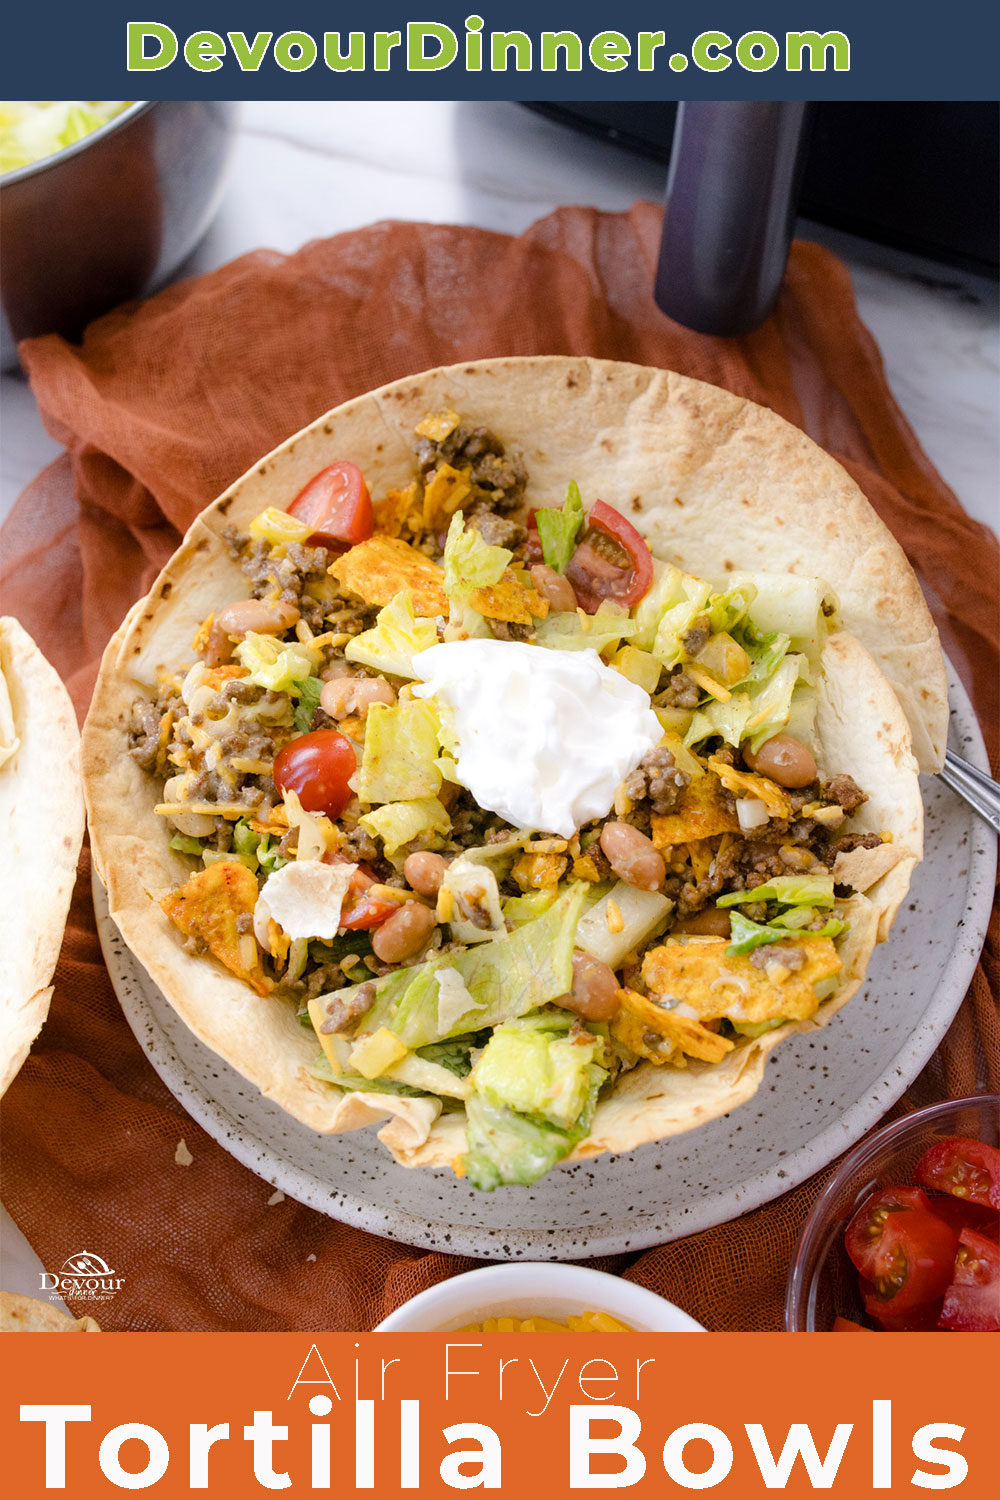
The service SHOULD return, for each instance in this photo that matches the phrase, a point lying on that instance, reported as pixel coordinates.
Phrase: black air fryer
(915, 183)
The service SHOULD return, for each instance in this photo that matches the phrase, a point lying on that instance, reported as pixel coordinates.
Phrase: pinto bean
(633, 856)
(404, 933)
(594, 995)
(264, 617)
(425, 871)
(354, 695)
(786, 760)
(553, 587)
(708, 923)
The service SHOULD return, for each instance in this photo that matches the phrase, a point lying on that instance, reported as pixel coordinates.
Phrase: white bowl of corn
(538, 1297)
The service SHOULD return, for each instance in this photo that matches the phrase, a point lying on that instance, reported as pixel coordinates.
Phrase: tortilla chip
(378, 569)
(437, 425)
(395, 508)
(701, 976)
(860, 868)
(509, 600)
(444, 492)
(752, 784)
(28, 1315)
(207, 907)
(701, 813)
(641, 1021)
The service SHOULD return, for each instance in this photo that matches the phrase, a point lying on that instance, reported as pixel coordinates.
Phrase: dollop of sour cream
(543, 737)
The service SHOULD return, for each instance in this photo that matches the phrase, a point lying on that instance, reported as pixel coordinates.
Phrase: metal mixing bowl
(109, 218)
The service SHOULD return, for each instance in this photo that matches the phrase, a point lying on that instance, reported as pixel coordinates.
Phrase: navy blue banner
(548, 49)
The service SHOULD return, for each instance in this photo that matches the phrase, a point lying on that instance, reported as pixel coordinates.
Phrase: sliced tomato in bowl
(959, 1214)
(966, 1169)
(972, 1301)
(611, 561)
(901, 1249)
(361, 910)
(338, 507)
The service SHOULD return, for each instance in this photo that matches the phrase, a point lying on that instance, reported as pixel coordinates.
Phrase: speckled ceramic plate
(820, 1093)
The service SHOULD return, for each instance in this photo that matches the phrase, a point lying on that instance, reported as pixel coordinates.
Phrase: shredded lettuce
(520, 909)
(401, 749)
(399, 823)
(564, 631)
(788, 890)
(686, 602)
(506, 978)
(538, 1071)
(755, 715)
(395, 638)
(789, 605)
(470, 563)
(33, 129)
(558, 530)
(185, 845)
(308, 690)
(642, 913)
(745, 935)
(727, 609)
(469, 900)
(272, 665)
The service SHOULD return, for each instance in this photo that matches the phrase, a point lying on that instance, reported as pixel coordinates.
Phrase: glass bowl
(822, 1283)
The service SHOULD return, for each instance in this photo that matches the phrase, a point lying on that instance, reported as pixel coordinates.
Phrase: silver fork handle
(980, 791)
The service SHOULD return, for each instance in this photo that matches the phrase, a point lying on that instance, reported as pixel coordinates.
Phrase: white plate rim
(781, 1176)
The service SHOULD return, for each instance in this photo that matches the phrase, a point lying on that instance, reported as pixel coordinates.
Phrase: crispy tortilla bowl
(716, 484)
(41, 819)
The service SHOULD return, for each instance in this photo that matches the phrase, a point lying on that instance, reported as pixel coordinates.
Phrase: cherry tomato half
(966, 1169)
(972, 1301)
(611, 561)
(920, 1319)
(317, 766)
(359, 909)
(901, 1248)
(959, 1214)
(336, 503)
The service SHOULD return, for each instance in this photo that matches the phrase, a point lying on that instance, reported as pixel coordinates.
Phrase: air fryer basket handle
(730, 210)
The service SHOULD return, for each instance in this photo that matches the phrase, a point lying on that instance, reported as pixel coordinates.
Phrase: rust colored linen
(160, 409)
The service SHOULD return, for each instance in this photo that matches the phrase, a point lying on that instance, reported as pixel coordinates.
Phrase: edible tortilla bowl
(41, 824)
(716, 484)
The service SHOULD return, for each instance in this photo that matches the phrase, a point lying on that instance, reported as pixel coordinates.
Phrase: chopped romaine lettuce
(308, 690)
(395, 638)
(745, 936)
(753, 716)
(455, 1055)
(33, 129)
(272, 665)
(469, 900)
(690, 599)
(728, 609)
(789, 604)
(185, 845)
(538, 1071)
(563, 631)
(506, 978)
(788, 890)
(507, 1148)
(642, 913)
(558, 529)
(399, 823)
(520, 909)
(401, 749)
(470, 563)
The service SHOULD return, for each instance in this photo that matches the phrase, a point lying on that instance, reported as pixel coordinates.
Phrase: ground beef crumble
(499, 475)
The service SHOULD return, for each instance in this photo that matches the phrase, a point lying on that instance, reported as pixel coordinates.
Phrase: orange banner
(739, 1414)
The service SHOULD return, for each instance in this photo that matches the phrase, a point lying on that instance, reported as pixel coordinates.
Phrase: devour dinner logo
(85, 1277)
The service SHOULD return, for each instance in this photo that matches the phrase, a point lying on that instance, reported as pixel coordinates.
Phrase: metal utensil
(980, 791)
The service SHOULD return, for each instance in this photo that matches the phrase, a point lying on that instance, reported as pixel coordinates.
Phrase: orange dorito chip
(751, 784)
(700, 976)
(444, 492)
(208, 907)
(378, 569)
(437, 425)
(509, 600)
(659, 1034)
(701, 813)
(394, 510)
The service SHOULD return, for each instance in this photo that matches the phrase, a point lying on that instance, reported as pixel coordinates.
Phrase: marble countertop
(302, 170)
